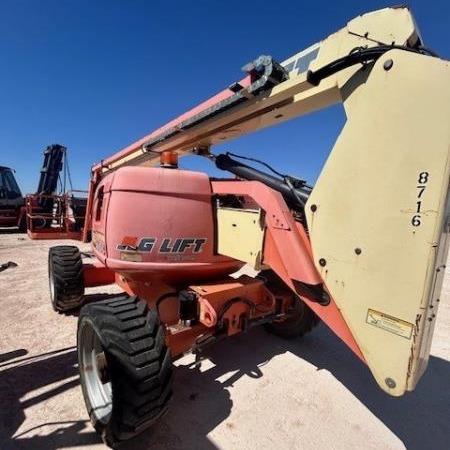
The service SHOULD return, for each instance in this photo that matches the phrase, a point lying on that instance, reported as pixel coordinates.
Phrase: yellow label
(131, 256)
(388, 323)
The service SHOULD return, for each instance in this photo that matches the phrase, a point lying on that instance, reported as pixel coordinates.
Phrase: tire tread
(67, 269)
(140, 365)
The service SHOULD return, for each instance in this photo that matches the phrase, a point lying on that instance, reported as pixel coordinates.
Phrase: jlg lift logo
(166, 245)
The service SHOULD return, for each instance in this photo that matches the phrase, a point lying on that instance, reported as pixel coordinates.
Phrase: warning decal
(388, 323)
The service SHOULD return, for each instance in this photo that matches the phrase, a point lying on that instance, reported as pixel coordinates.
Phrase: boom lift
(44, 214)
(363, 250)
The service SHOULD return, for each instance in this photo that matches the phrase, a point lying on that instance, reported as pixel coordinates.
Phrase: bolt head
(390, 383)
(388, 64)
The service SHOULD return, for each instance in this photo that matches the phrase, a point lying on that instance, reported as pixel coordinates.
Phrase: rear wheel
(301, 319)
(125, 367)
(65, 273)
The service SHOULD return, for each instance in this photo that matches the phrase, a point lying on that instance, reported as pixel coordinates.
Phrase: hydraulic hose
(294, 197)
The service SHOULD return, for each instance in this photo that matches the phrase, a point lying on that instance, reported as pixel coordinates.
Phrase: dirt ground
(255, 392)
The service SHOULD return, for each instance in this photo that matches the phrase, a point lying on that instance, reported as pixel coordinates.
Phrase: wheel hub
(95, 373)
(102, 368)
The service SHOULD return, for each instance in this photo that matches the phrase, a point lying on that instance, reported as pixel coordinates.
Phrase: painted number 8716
(422, 181)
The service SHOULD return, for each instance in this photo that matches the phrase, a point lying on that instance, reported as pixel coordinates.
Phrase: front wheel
(125, 367)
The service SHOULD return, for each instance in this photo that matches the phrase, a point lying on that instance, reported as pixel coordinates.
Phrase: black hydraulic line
(427, 51)
(228, 305)
(269, 318)
(291, 181)
(247, 158)
(294, 197)
(356, 56)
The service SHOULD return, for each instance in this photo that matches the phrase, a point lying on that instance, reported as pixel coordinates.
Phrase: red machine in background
(44, 214)
(11, 200)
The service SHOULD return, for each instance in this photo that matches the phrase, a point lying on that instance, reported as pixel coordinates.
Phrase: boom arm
(48, 181)
(378, 215)
(230, 114)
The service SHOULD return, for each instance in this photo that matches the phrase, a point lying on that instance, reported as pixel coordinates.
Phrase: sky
(96, 76)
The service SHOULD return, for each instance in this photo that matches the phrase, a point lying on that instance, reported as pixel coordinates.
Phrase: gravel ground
(255, 391)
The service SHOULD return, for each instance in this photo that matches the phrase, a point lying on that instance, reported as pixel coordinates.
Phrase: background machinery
(362, 250)
(44, 214)
(11, 200)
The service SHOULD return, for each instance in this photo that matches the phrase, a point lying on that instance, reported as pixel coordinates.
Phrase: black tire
(300, 321)
(125, 367)
(65, 274)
